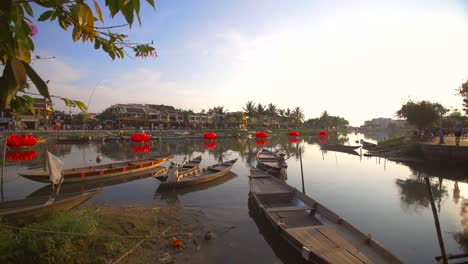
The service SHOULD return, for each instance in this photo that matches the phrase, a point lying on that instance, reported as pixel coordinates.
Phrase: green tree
(298, 115)
(250, 110)
(463, 91)
(421, 114)
(106, 115)
(17, 32)
(272, 112)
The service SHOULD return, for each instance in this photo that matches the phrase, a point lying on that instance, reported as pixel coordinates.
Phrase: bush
(29, 246)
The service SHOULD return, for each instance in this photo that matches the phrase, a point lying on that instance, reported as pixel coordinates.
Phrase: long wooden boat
(100, 172)
(185, 169)
(74, 140)
(317, 233)
(201, 176)
(45, 204)
(328, 146)
(368, 145)
(268, 161)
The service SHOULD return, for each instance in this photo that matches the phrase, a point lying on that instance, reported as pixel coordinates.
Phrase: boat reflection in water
(173, 196)
(79, 187)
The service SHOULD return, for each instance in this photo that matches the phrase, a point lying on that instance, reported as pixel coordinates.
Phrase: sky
(358, 60)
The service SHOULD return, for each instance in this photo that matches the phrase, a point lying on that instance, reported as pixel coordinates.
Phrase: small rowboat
(200, 176)
(315, 232)
(268, 161)
(338, 147)
(186, 168)
(100, 172)
(45, 204)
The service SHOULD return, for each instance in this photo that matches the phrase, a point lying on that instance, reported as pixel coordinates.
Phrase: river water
(386, 199)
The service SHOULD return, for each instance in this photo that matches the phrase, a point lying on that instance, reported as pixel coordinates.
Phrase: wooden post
(436, 222)
(302, 171)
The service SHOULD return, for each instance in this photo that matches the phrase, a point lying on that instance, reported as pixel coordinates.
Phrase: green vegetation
(421, 114)
(463, 92)
(404, 145)
(28, 246)
(17, 45)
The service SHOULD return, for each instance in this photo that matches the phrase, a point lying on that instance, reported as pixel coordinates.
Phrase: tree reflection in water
(414, 194)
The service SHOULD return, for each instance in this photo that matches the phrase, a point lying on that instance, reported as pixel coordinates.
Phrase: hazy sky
(358, 60)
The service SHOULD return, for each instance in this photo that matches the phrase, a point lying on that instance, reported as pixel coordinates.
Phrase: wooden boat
(328, 146)
(100, 172)
(268, 161)
(186, 168)
(347, 151)
(368, 145)
(77, 187)
(37, 206)
(200, 176)
(317, 233)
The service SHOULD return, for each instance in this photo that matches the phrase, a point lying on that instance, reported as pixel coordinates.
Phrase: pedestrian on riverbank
(458, 132)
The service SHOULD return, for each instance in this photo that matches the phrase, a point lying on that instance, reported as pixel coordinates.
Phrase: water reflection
(414, 194)
(387, 193)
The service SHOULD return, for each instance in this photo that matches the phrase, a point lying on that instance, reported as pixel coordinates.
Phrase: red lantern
(140, 137)
(323, 133)
(141, 149)
(210, 136)
(293, 134)
(293, 140)
(261, 135)
(209, 145)
(20, 141)
(261, 143)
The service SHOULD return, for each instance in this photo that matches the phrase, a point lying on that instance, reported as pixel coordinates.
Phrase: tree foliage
(17, 32)
(421, 114)
(463, 91)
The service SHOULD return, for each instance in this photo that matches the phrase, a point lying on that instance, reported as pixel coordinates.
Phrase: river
(386, 199)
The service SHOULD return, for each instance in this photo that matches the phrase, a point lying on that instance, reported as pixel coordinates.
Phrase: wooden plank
(289, 208)
(326, 243)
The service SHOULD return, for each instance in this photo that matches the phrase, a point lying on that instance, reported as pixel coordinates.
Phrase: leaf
(136, 4)
(113, 6)
(127, 11)
(76, 33)
(81, 105)
(151, 2)
(19, 72)
(37, 80)
(23, 49)
(68, 102)
(46, 15)
(98, 11)
(28, 8)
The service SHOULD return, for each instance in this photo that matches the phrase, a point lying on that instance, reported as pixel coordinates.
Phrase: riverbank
(111, 235)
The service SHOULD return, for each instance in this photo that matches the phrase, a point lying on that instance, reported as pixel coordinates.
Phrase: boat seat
(289, 208)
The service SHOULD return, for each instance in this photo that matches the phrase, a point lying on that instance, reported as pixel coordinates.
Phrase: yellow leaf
(76, 33)
(18, 71)
(98, 11)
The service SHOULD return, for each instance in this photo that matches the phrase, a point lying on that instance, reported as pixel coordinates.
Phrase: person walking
(458, 132)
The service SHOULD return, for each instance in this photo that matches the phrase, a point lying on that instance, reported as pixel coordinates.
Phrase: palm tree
(272, 112)
(298, 115)
(250, 109)
(281, 116)
(261, 110)
(288, 115)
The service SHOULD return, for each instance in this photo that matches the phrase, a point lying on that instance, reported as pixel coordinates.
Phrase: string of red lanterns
(293, 134)
(143, 137)
(18, 141)
(210, 136)
(261, 135)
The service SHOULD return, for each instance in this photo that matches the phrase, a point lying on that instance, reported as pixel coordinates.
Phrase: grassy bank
(104, 235)
(404, 145)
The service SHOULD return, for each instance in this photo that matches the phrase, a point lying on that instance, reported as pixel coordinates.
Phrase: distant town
(152, 116)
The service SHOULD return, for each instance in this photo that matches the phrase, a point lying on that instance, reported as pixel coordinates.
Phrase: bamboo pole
(3, 166)
(436, 222)
(302, 171)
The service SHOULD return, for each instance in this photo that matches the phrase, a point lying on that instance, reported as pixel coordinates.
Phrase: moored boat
(45, 204)
(269, 161)
(200, 176)
(185, 168)
(100, 172)
(328, 146)
(318, 234)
